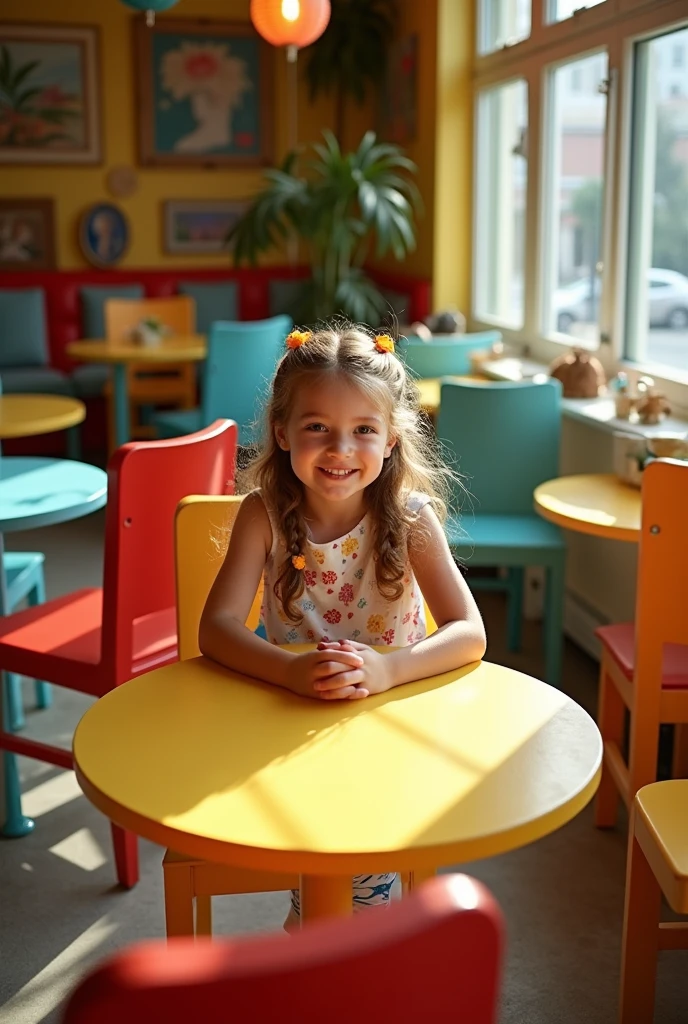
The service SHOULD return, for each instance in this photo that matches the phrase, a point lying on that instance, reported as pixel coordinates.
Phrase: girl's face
(337, 436)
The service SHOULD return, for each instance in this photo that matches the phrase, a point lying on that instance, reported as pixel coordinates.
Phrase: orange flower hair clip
(298, 338)
(383, 343)
(298, 561)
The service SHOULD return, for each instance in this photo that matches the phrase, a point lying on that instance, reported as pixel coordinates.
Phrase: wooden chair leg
(679, 759)
(126, 856)
(514, 608)
(204, 915)
(640, 938)
(418, 876)
(179, 899)
(610, 721)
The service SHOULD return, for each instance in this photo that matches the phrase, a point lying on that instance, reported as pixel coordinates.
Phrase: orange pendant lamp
(290, 23)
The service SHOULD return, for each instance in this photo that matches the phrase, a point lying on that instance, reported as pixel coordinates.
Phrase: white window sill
(596, 412)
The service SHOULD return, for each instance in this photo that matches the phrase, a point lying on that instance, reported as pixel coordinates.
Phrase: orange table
(220, 767)
(598, 504)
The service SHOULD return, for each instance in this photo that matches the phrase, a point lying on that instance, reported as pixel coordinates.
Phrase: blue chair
(240, 363)
(506, 440)
(446, 356)
(24, 579)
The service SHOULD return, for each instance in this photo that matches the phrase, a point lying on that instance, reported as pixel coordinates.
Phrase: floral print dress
(341, 601)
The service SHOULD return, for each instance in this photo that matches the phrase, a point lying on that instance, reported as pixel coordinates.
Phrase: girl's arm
(460, 637)
(223, 635)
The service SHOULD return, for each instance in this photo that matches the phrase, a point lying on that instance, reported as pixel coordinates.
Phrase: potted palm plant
(344, 207)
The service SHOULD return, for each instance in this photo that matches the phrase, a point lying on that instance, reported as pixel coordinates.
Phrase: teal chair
(240, 363)
(505, 438)
(444, 357)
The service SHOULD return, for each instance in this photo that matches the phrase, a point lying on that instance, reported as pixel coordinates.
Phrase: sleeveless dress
(341, 602)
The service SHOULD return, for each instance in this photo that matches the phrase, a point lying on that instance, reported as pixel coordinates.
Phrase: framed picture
(196, 227)
(399, 107)
(103, 234)
(204, 93)
(50, 109)
(27, 239)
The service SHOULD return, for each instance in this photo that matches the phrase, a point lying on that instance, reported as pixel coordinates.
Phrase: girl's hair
(414, 464)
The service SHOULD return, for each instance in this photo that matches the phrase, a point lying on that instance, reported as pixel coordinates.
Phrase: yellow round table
(217, 766)
(178, 349)
(26, 415)
(597, 503)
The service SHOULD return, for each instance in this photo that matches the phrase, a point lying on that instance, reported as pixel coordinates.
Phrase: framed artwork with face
(27, 237)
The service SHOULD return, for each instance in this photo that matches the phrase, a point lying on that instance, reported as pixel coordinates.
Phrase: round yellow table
(177, 349)
(26, 415)
(598, 504)
(227, 769)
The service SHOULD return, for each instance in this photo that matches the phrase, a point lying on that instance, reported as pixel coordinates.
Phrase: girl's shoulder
(253, 505)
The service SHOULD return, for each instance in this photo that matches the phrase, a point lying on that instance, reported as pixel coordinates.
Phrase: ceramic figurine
(580, 373)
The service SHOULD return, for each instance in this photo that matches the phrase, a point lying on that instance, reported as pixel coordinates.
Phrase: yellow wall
(443, 128)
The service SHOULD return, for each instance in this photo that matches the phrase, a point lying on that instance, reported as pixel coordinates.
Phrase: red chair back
(146, 482)
(435, 956)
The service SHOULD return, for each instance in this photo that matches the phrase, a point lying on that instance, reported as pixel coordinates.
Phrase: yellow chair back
(203, 524)
(178, 313)
(202, 528)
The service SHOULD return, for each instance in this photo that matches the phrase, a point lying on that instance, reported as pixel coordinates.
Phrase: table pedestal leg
(121, 399)
(16, 824)
(325, 896)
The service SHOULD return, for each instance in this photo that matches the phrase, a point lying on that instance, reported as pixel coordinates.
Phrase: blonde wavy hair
(414, 464)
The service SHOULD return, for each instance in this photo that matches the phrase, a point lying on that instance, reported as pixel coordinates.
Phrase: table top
(25, 415)
(191, 348)
(467, 764)
(38, 492)
(597, 503)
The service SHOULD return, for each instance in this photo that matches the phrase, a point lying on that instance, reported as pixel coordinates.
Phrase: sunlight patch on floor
(81, 849)
(47, 796)
(48, 988)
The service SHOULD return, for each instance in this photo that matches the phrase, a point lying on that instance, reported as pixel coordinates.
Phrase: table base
(325, 896)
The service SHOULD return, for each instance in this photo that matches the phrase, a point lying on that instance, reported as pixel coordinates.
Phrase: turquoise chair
(240, 363)
(505, 437)
(443, 357)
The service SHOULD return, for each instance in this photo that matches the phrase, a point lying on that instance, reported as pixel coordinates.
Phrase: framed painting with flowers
(49, 102)
(204, 93)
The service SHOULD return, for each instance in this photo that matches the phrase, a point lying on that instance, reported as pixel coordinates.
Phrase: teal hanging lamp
(151, 7)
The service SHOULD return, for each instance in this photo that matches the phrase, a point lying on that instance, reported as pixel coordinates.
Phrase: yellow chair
(172, 384)
(202, 528)
(644, 666)
(657, 863)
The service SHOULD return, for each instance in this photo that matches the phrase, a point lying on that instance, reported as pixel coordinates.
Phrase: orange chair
(202, 528)
(434, 957)
(172, 384)
(657, 863)
(95, 639)
(645, 665)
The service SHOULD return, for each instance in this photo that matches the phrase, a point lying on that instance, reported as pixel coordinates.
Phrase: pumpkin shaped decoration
(581, 374)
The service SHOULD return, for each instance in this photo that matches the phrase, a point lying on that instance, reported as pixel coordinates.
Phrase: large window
(574, 188)
(657, 304)
(581, 182)
(502, 23)
(501, 200)
(560, 9)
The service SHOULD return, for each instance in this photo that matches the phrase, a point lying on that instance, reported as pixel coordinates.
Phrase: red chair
(436, 956)
(94, 639)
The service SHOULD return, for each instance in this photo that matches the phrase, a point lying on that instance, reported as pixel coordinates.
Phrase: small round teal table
(39, 492)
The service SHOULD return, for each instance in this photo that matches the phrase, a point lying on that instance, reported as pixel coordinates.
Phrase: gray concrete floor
(61, 911)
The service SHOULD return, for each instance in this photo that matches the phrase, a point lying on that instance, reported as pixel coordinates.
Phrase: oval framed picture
(103, 234)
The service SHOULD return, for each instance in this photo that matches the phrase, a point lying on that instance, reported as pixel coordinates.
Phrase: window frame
(614, 26)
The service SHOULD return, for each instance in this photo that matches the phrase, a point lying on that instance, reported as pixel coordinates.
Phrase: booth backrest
(409, 296)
